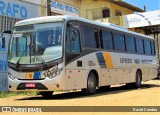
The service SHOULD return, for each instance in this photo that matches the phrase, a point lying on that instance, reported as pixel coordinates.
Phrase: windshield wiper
(42, 60)
(17, 64)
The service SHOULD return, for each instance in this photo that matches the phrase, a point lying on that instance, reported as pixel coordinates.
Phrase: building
(106, 10)
(146, 23)
(12, 11)
(98, 10)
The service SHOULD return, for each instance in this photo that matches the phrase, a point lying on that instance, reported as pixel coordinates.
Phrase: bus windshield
(38, 43)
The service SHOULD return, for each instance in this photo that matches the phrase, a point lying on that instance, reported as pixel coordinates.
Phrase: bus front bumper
(35, 85)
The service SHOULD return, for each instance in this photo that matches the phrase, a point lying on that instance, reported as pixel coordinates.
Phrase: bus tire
(138, 79)
(91, 84)
(46, 94)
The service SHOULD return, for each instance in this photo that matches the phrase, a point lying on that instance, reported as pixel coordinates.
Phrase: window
(153, 48)
(14, 52)
(90, 37)
(106, 12)
(73, 41)
(106, 40)
(119, 43)
(22, 45)
(130, 44)
(147, 47)
(139, 46)
(118, 13)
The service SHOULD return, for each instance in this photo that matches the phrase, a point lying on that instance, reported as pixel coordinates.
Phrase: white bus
(4, 41)
(55, 53)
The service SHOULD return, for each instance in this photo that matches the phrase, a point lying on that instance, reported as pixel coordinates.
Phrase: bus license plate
(30, 85)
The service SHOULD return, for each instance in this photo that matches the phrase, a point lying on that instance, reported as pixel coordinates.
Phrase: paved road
(147, 95)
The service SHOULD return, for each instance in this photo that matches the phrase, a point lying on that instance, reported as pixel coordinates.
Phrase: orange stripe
(29, 75)
(108, 59)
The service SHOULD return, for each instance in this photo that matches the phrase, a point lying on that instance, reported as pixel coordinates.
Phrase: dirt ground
(117, 95)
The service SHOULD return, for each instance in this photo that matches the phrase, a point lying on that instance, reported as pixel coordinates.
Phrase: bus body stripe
(101, 60)
(29, 75)
(108, 59)
(37, 75)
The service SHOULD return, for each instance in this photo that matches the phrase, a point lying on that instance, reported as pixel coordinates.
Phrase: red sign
(30, 85)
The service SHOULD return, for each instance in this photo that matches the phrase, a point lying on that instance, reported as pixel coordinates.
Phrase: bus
(61, 53)
(4, 41)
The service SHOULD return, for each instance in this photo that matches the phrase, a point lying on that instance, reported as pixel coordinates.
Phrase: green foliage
(4, 94)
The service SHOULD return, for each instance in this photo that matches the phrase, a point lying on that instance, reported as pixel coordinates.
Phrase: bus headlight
(11, 76)
(53, 73)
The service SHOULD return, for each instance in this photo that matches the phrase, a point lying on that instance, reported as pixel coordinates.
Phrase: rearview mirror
(3, 42)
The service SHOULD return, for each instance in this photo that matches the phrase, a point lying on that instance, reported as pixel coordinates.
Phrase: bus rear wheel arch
(92, 83)
(138, 80)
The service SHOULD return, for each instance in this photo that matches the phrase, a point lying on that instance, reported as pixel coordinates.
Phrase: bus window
(119, 44)
(130, 44)
(107, 42)
(153, 48)
(147, 47)
(139, 46)
(73, 42)
(22, 45)
(90, 37)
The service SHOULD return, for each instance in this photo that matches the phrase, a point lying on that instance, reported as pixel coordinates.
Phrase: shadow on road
(100, 92)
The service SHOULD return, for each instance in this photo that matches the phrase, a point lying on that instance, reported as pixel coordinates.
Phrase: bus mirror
(73, 36)
(3, 42)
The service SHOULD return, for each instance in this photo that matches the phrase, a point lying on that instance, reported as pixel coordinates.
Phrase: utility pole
(48, 7)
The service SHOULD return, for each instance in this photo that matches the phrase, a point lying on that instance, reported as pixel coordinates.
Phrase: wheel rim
(91, 83)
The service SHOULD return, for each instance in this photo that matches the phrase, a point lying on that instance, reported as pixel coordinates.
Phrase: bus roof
(68, 17)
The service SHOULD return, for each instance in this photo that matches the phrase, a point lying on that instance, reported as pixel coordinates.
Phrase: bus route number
(91, 63)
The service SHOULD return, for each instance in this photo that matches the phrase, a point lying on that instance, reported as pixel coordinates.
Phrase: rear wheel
(91, 84)
(138, 79)
(46, 93)
(137, 83)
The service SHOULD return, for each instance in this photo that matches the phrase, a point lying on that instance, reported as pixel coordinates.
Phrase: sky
(151, 5)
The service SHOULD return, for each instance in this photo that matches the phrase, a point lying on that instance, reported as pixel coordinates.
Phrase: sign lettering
(18, 9)
(13, 10)
(63, 8)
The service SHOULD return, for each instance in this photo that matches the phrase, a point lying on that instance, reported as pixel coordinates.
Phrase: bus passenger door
(73, 64)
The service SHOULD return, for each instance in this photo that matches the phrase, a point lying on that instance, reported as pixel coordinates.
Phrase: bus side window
(73, 41)
(152, 48)
(147, 47)
(90, 37)
(119, 42)
(3, 42)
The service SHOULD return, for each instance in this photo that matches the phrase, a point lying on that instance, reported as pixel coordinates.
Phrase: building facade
(13, 11)
(100, 10)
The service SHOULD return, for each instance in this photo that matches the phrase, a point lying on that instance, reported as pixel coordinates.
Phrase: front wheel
(91, 84)
(46, 94)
